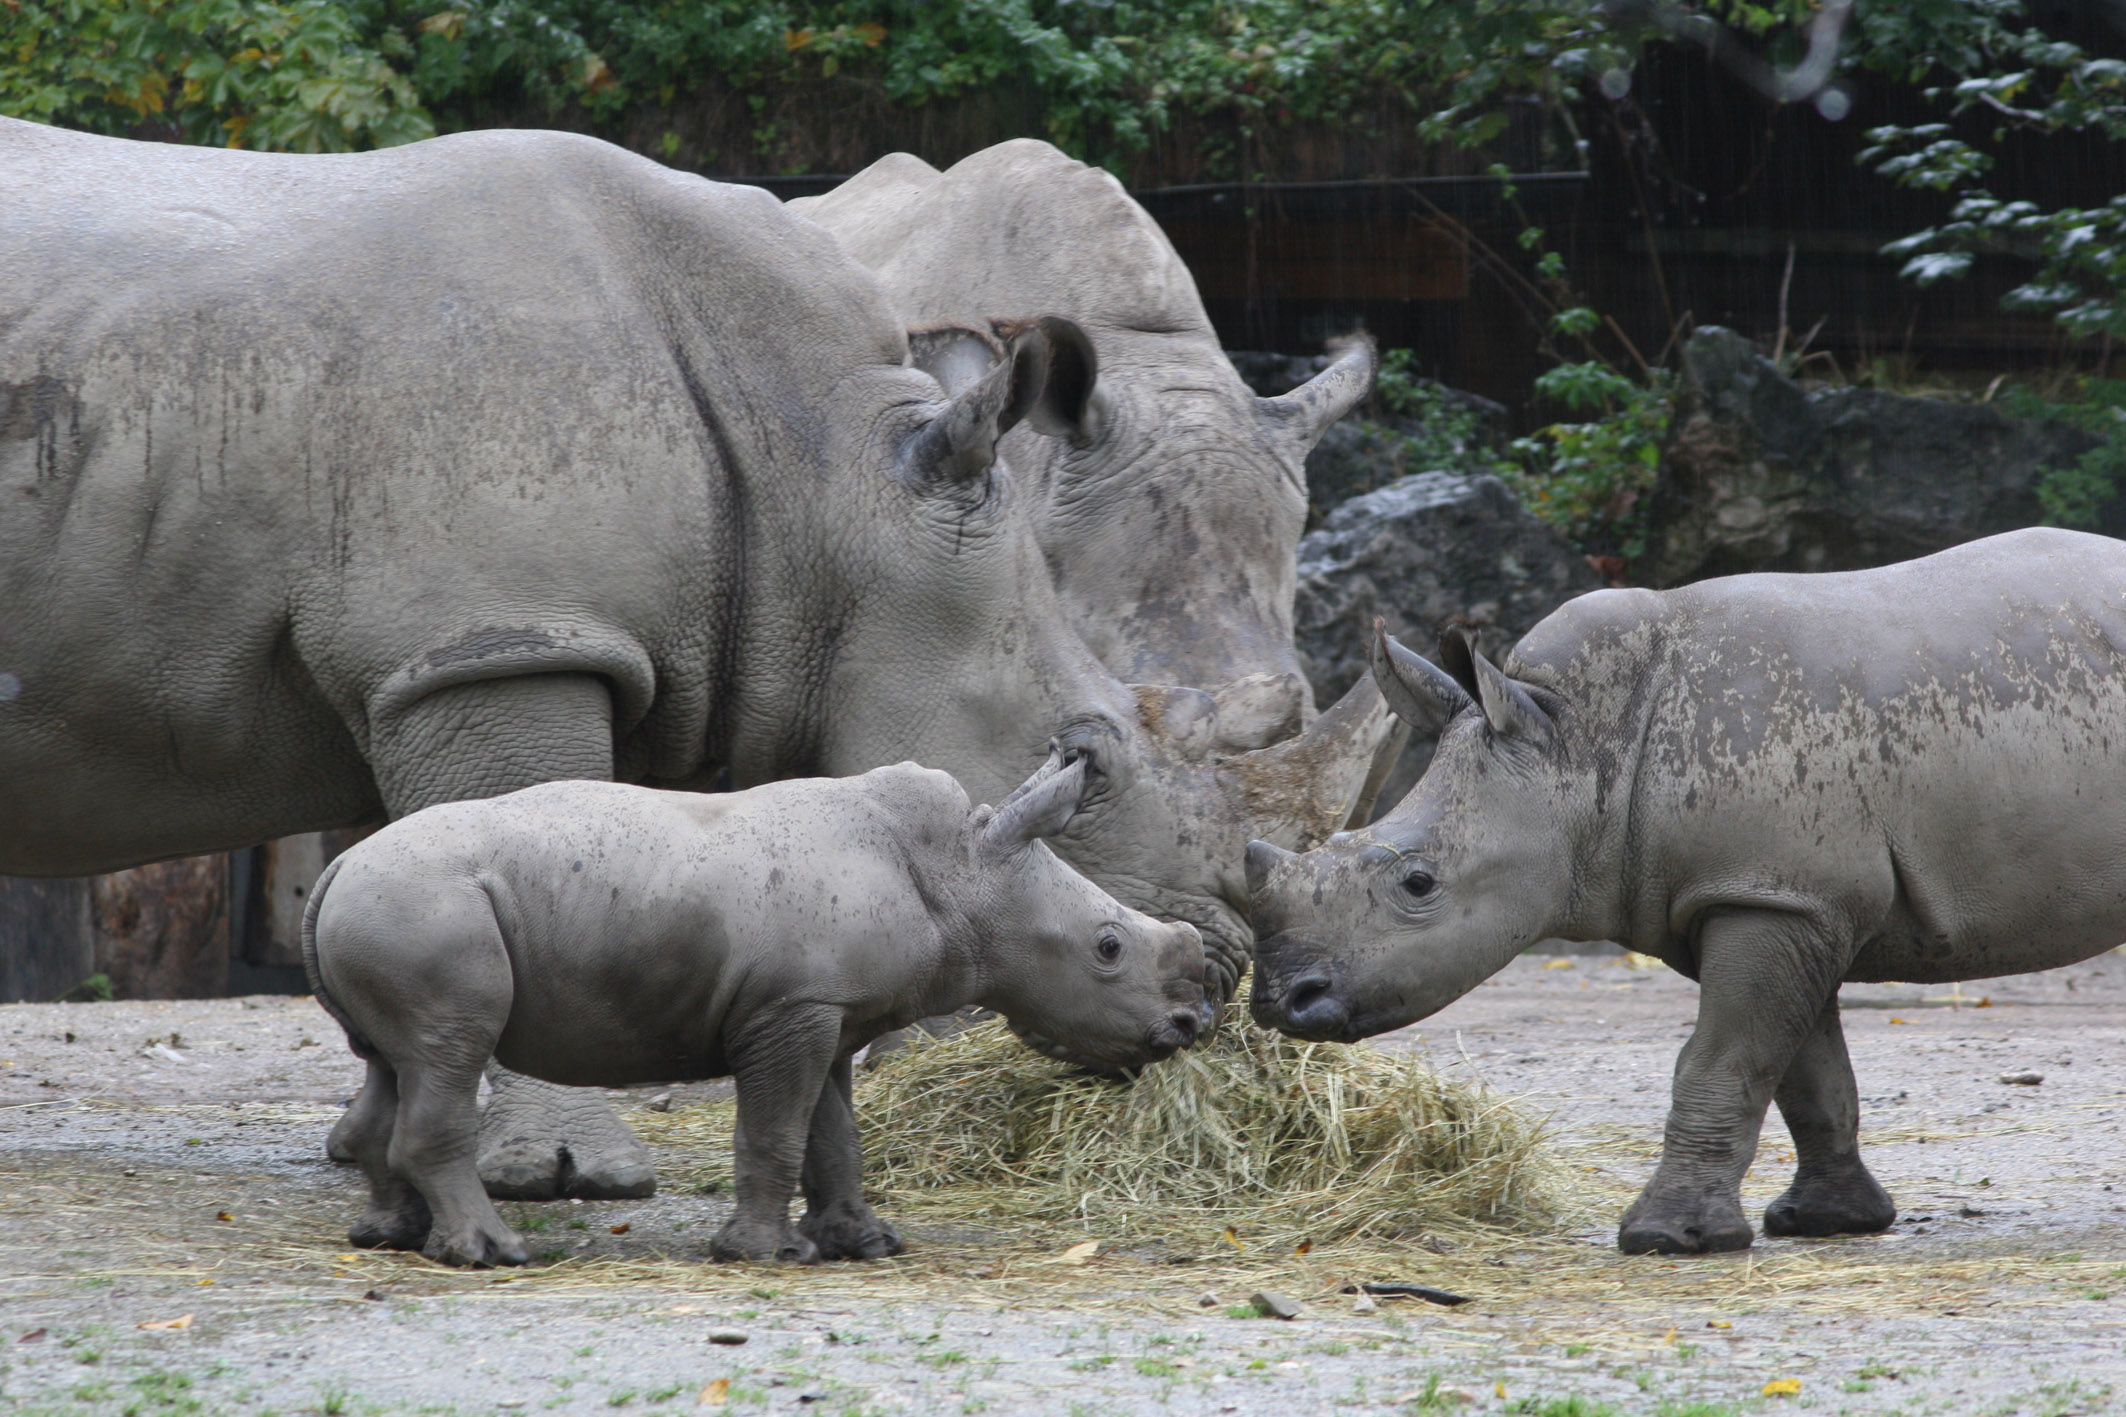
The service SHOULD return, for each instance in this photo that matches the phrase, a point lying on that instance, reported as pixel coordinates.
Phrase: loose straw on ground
(1268, 1135)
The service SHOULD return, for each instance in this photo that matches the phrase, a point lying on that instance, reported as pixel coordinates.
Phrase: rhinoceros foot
(1680, 1225)
(403, 1226)
(539, 1142)
(743, 1240)
(846, 1234)
(476, 1245)
(1850, 1202)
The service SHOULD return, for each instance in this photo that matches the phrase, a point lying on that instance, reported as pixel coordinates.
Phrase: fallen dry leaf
(1718, 1323)
(1669, 1338)
(1303, 1247)
(716, 1394)
(1782, 1387)
(223, 1215)
(1900, 1020)
(1232, 1237)
(181, 1321)
(1079, 1253)
(1559, 964)
(622, 1228)
(35, 1335)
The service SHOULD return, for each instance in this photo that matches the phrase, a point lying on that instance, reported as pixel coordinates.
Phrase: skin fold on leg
(1763, 977)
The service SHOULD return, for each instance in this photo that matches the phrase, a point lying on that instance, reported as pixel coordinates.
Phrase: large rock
(1420, 552)
(1759, 475)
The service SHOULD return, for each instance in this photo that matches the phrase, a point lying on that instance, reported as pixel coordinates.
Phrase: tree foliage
(289, 74)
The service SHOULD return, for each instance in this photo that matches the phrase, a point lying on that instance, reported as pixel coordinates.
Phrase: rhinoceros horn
(1300, 791)
(1306, 413)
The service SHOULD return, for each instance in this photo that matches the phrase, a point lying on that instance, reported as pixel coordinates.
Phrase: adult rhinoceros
(1171, 499)
(1776, 783)
(335, 487)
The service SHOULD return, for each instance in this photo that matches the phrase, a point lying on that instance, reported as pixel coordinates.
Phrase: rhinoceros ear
(1422, 694)
(957, 356)
(958, 445)
(1509, 708)
(1304, 414)
(1041, 806)
(1067, 403)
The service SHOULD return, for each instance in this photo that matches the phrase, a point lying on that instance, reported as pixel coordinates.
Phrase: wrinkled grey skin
(1167, 498)
(1773, 782)
(600, 934)
(1171, 499)
(332, 488)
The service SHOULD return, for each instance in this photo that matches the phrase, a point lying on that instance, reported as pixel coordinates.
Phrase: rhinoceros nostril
(1305, 993)
(1184, 1024)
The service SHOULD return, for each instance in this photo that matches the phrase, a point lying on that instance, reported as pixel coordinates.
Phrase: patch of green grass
(1157, 1368)
(1091, 1365)
(1561, 1407)
(941, 1360)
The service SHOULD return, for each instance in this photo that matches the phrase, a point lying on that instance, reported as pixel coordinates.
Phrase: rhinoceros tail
(362, 1047)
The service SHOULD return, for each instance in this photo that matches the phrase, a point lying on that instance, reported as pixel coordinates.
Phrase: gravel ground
(165, 1160)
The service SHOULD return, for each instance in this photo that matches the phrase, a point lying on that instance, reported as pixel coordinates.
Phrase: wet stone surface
(140, 1189)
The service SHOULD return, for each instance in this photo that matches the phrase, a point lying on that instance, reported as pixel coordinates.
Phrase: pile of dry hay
(1253, 1130)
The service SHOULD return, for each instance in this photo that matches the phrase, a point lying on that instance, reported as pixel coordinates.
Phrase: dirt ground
(162, 1164)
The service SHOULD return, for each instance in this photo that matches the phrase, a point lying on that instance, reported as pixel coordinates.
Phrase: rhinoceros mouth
(1303, 998)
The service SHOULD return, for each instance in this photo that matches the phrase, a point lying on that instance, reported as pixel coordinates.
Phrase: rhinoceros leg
(1833, 1192)
(433, 1145)
(781, 1063)
(398, 1216)
(537, 1141)
(1763, 978)
(836, 1218)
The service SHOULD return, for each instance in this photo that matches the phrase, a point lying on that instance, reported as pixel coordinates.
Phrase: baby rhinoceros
(598, 934)
(1776, 783)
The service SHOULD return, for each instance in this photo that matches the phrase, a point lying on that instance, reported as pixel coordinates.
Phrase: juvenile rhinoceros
(1170, 498)
(599, 934)
(1773, 782)
(335, 487)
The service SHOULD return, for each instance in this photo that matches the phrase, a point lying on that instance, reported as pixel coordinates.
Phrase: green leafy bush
(2073, 496)
(1988, 59)
(1437, 429)
(288, 74)
(1103, 74)
(1588, 478)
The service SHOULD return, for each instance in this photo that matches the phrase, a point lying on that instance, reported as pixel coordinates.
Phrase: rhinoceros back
(284, 437)
(1930, 751)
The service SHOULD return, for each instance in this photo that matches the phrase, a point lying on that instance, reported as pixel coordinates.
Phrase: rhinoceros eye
(1418, 884)
(1110, 946)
